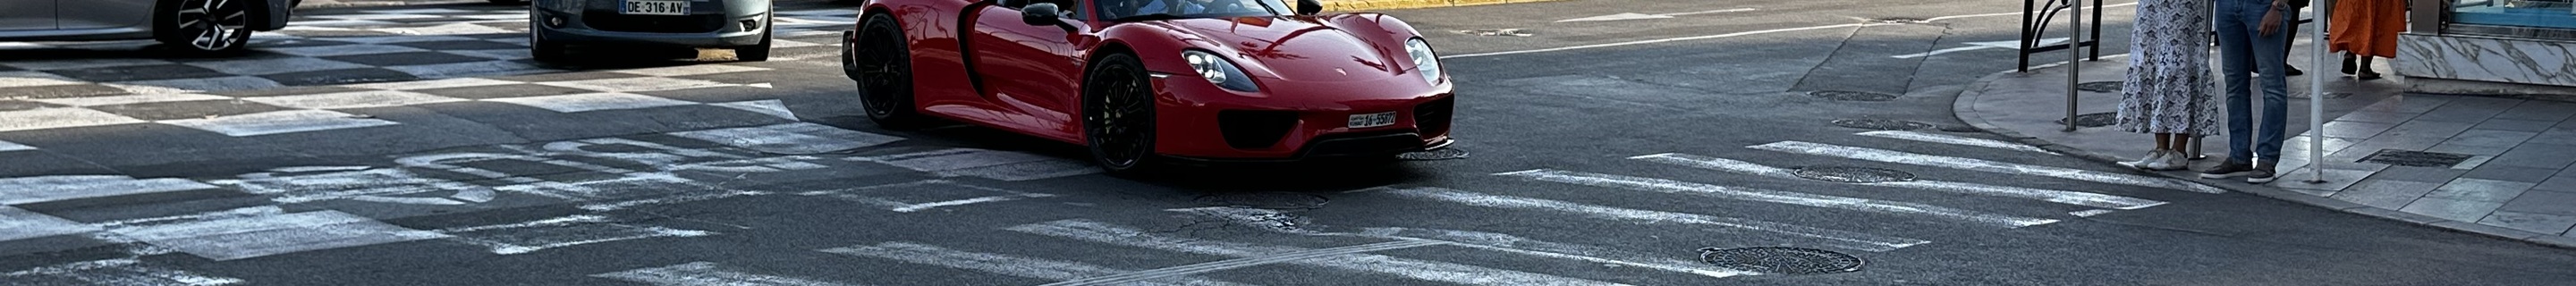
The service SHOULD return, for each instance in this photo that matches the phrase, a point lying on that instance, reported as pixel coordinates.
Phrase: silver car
(557, 25)
(196, 25)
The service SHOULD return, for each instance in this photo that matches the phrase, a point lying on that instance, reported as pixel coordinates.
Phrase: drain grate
(2415, 158)
(1781, 260)
(1441, 154)
(1264, 200)
(2094, 119)
(1842, 174)
(2099, 86)
(1881, 124)
(1846, 95)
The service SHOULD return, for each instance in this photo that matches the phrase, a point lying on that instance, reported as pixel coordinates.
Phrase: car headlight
(1219, 71)
(1422, 57)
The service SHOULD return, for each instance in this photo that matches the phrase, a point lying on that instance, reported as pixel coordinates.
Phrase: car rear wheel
(204, 26)
(880, 62)
(1118, 116)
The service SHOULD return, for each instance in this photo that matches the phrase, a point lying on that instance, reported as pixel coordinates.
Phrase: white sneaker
(2152, 158)
(2171, 160)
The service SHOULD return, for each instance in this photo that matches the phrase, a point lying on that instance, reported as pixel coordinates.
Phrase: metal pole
(2026, 35)
(2074, 57)
(2317, 95)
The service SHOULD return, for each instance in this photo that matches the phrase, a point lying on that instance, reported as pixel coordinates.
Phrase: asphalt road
(1617, 161)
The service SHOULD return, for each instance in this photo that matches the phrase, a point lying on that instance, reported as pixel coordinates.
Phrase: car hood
(1296, 49)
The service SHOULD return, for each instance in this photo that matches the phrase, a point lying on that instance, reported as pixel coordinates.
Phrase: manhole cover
(2094, 119)
(2415, 158)
(1853, 174)
(1441, 154)
(2099, 86)
(1881, 124)
(1781, 260)
(1264, 200)
(1845, 95)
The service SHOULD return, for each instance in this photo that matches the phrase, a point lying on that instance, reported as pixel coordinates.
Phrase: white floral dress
(2169, 85)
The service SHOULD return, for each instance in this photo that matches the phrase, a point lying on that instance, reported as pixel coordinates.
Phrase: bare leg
(2163, 141)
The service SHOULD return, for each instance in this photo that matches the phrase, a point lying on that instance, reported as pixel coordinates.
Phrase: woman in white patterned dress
(2167, 92)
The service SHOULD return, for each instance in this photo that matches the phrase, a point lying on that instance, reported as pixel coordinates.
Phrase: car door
(103, 14)
(1030, 70)
(20, 15)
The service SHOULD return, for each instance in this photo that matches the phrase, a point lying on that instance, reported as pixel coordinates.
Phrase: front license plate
(651, 7)
(1372, 119)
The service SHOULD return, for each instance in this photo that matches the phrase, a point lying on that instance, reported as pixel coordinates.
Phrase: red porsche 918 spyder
(1149, 82)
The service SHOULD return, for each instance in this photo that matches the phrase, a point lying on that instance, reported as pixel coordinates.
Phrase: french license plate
(1372, 119)
(653, 7)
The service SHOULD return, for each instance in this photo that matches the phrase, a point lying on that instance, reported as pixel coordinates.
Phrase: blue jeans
(2244, 49)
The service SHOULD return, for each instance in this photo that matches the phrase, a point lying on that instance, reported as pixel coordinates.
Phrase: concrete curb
(1964, 107)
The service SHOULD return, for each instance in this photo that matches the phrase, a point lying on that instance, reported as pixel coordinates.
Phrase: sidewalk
(2497, 165)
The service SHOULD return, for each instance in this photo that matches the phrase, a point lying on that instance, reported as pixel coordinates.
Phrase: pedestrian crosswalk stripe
(5, 146)
(706, 273)
(532, 236)
(1770, 196)
(1133, 277)
(1479, 240)
(119, 271)
(16, 224)
(1837, 238)
(27, 190)
(264, 235)
(1882, 155)
(797, 138)
(1105, 233)
(2055, 196)
(1954, 140)
(1013, 265)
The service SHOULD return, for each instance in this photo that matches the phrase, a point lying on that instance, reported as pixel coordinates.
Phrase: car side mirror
(1309, 7)
(1044, 14)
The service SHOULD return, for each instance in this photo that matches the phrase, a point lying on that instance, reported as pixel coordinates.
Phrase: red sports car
(1149, 82)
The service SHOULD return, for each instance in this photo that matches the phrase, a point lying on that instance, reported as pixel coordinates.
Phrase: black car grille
(1432, 118)
(610, 20)
(1250, 129)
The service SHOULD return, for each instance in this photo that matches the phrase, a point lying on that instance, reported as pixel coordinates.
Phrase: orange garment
(2366, 27)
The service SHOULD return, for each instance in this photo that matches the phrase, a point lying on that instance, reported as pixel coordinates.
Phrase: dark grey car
(197, 25)
(557, 25)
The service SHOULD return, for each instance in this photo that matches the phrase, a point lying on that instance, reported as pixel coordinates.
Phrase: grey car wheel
(205, 25)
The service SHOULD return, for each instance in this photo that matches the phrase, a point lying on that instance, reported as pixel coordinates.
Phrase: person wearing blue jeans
(2250, 32)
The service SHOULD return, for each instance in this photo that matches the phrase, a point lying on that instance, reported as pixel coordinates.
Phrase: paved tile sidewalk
(2509, 179)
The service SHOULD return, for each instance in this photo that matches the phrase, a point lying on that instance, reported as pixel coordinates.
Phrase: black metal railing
(2034, 26)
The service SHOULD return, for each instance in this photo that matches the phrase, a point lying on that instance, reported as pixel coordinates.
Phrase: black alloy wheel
(205, 26)
(879, 62)
(1118, 115)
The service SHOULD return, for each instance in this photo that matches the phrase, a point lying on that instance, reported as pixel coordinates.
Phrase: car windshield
(1177, 9)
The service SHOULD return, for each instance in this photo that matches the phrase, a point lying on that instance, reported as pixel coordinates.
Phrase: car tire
(1118, 116)
(201, 37)
(883, 71)
(757, 52)
(538, 48)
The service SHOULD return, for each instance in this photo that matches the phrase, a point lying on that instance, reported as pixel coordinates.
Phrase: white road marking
(673, 199)
(270, 66)
(481, 68)
(1770, 196)
(432, 84)
(2056, 196)
(1637, 16)
(120, 271)
(390, 185)
(278, 122)
(991, 164)
(1346, 259)
(16, 224)
(1273, 220)
(533, 236)
(690, 70)
(449, 29)
(2089, 213)
(790, 138)
(1936, 19)
(50, 118)
(706, 273)
(270, 210)
(342, 50)
(1837, 238)
(636, 84)
(2014, 45)
(877, 195)
(1004, 264)
(591, 102)
(1272, 258)
(33, 78)
(355, 99)
(1982, 165)
(6, 146)
(1666, 40)
(1955, 140)
(26, 190)
(264, 235)
(772, 107)
(129, 99)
